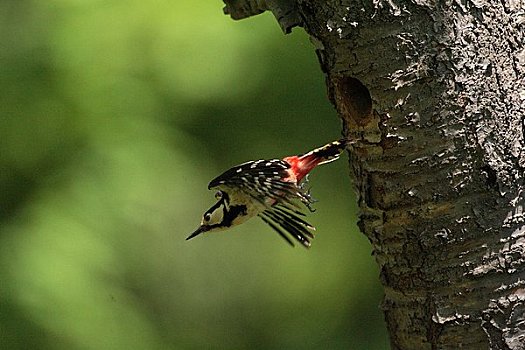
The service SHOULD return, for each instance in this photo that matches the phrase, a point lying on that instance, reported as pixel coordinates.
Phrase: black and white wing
(283, 219)
(263, 180)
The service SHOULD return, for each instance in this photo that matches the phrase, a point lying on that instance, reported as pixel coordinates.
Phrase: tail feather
(327, 153)
(301, 165)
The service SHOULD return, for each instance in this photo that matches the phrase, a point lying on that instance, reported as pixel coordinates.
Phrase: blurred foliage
(114, 116)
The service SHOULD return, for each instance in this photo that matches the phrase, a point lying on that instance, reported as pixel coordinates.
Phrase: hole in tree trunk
(353, 99)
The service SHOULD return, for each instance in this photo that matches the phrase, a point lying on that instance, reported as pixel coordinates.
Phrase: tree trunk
(433, 94)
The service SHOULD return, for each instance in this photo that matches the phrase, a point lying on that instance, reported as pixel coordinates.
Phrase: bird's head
(214, 219)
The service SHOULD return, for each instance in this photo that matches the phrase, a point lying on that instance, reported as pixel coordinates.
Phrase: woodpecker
(271, 189)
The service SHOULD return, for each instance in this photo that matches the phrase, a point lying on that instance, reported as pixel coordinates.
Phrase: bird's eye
(218, 195)
(207, 217)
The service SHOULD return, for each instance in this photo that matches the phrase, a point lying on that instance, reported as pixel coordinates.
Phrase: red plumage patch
(301, 166)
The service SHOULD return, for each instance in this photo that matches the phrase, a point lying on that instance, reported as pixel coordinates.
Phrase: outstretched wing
(284, 220)
(263, 180)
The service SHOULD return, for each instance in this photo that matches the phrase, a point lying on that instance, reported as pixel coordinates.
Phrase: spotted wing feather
(264, 181)
(283, 221)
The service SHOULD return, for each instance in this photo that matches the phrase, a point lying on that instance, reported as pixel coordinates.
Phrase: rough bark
(433, 93)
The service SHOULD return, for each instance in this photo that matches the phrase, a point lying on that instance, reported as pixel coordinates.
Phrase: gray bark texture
(433, 95)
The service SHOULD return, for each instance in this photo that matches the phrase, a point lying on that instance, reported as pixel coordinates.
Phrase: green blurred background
(114, 116)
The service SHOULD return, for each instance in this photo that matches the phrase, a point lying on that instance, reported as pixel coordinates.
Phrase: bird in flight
(271, 189)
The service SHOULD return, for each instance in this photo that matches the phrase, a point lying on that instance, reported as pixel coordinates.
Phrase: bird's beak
(197, 232)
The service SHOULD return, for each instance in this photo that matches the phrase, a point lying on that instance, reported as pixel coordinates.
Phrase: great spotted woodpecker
(270, 189)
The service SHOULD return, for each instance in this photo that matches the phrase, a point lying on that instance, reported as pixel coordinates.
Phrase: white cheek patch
(216, 216)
